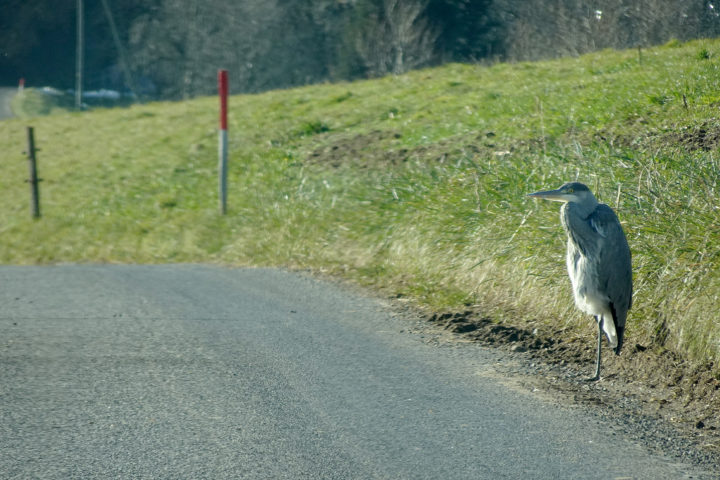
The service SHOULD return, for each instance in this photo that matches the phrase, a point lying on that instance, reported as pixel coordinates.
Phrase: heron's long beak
(555, 195)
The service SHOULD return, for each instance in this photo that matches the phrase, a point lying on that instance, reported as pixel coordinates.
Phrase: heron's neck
(585, 208)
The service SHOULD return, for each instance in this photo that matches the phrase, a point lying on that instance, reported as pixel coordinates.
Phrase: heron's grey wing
(614, 261)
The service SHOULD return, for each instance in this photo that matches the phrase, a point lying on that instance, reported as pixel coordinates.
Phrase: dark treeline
(173, 48)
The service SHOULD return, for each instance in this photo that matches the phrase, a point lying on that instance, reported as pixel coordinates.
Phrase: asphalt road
(6, 95)
(207, 372)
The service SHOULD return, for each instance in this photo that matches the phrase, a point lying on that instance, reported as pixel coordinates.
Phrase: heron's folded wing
(614, 261)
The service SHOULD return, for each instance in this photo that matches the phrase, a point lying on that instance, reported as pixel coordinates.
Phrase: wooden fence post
(33, 180)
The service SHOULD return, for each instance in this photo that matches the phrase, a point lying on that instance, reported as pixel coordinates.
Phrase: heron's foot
(595, 378)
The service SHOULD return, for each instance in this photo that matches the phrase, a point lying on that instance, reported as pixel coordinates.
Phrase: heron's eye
(569, 190)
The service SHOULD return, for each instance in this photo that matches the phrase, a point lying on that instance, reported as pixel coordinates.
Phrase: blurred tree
(467, 30)
(548, 28)
(396, 37)
(33, 37)
(176, 46)
(37, 40)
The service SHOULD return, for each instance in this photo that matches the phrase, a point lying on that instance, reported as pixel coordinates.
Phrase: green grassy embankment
(414, 183)
(31, 102)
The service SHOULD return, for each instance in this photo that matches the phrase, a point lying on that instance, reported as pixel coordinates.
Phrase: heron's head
(570, 192)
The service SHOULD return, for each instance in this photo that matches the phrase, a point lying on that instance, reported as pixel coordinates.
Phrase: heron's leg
(599, 349)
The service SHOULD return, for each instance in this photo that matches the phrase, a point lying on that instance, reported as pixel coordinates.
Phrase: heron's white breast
(587, 293)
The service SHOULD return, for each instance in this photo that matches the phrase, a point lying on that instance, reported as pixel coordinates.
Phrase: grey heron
(598, 261)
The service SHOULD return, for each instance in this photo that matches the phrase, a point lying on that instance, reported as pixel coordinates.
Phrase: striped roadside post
(223, 140)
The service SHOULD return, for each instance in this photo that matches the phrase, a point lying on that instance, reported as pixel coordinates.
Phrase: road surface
(207, 372)
(6, 95)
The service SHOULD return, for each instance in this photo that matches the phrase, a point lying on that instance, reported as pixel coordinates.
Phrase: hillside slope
(416, 185)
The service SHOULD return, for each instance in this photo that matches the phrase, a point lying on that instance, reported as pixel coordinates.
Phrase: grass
(415, 184)
(32, 102)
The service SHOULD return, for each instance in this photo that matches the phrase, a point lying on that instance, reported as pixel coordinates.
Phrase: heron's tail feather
(620, 332)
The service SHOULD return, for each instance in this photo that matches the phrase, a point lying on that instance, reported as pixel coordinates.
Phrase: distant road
(6, 94)
(205, 372)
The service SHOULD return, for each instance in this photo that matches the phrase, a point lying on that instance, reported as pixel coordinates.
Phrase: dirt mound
(705, 136)
(361, 150)
(702, 137)
(485, 330)
(381, 148)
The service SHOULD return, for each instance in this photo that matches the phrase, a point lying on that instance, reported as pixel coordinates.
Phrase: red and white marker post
(223, 140)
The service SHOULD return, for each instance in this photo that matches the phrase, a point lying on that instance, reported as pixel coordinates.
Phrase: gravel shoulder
(667, 404)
